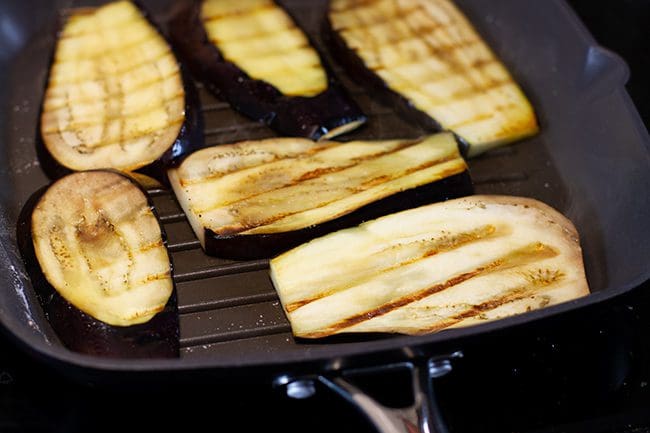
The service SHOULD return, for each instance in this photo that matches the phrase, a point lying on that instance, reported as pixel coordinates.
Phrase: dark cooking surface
(589, 370)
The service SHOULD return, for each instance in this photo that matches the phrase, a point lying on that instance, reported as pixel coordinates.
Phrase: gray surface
(591, 162)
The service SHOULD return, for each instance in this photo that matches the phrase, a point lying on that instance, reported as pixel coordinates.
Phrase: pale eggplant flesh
(255, 199)
(457, 263)
(116, 96)
(427, 59)
(97, 258)
(253, 55)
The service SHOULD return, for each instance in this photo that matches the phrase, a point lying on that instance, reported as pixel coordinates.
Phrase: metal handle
(423, 416)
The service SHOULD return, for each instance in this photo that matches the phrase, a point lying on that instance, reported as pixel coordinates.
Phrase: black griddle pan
(591, 161)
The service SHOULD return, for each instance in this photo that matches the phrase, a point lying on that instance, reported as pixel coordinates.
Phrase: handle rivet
(301, 389)
(439, 368)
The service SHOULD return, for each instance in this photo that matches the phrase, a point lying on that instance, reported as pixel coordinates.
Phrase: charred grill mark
(151, 246)
(150, 36)
(496, 109)
(70, 119)
(481, 63)
(293, 306)
(430, 164)
(399, 17)
(448, 52)
(218, 42)
(260, 223)
(243, 152)
(449, 47)
(543, 277)
(108, 94)
(105, 99)
(166, 103)
(116, 27)
(151, 278)
(437, 245)
(303, 45)
(243, 226)
(352, 5)
(314, 174)
(546, 279)
(116, 114)
(530, 253)
(374, 45)
(388, 307)
(313, 152)
(439, 76)
(471, 93)
(120, 99)
(250, 11)
(387, 178)
(379, 180)
(418, 33)
(118, 73)
(458, 168)
(149, 311)
(121, 142)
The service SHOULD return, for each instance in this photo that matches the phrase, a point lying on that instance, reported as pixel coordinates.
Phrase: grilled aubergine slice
(429, 60)
(457, 263)
(252, 54)
(116, 96)
(257, 198)
(97, 258)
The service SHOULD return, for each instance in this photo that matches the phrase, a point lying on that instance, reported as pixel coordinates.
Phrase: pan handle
(422, 416)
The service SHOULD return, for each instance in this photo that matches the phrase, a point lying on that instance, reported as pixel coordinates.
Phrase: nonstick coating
(591, 162)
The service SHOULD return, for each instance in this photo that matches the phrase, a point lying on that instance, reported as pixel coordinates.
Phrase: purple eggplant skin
(190, 137)
(260, 246)
(361, 74)
(310, 117)
(79, 332)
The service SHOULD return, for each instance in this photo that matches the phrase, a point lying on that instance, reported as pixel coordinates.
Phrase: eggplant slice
(256, 198)
(252, 54)
(456, 263)
(434, 65)
(97, 257)
(116, 95)
(262, 39)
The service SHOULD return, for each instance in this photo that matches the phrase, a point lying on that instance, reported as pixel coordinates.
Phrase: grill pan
(591, 162)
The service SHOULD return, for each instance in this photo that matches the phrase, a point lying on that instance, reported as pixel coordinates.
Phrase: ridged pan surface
(591, 161)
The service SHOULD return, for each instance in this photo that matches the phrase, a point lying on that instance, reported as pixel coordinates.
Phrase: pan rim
(315, 355)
